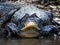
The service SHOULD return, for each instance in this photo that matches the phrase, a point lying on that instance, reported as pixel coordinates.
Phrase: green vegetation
(57, 1)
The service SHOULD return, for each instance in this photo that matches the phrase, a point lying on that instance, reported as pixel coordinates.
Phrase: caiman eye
(25, 16)
(34, 15)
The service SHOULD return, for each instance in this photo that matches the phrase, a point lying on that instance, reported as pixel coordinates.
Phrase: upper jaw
(30, 26)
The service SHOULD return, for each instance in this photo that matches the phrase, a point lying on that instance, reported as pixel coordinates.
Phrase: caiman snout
(30, 25)
(30, 30)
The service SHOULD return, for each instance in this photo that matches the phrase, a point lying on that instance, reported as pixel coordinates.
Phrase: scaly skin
(24, 21)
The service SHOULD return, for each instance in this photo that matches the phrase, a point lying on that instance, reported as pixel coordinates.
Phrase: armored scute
(27, 21)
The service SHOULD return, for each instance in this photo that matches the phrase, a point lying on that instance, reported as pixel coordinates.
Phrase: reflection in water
(30, 42)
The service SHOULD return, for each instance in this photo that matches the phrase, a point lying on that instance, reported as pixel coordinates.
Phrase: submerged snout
(30, 30)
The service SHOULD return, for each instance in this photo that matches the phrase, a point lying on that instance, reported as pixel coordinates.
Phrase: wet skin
(25, 23)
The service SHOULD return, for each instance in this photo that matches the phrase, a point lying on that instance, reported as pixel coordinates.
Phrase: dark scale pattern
(14, 17)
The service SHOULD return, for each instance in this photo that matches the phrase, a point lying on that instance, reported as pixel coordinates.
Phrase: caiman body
(26, 21)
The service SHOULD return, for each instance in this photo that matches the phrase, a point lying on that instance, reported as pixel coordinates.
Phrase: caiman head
(30, 21)
(30, 28)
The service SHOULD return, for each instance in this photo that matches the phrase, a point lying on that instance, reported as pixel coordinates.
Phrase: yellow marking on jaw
(30, 24)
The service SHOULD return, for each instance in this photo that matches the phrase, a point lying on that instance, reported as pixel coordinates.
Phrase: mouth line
(30, 28)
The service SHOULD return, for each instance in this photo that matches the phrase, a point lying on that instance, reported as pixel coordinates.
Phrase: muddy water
(30, 42)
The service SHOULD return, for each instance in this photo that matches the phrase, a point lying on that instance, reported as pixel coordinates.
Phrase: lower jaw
(29, 35)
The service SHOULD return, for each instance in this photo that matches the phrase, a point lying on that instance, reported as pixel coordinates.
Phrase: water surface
(30, 42)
